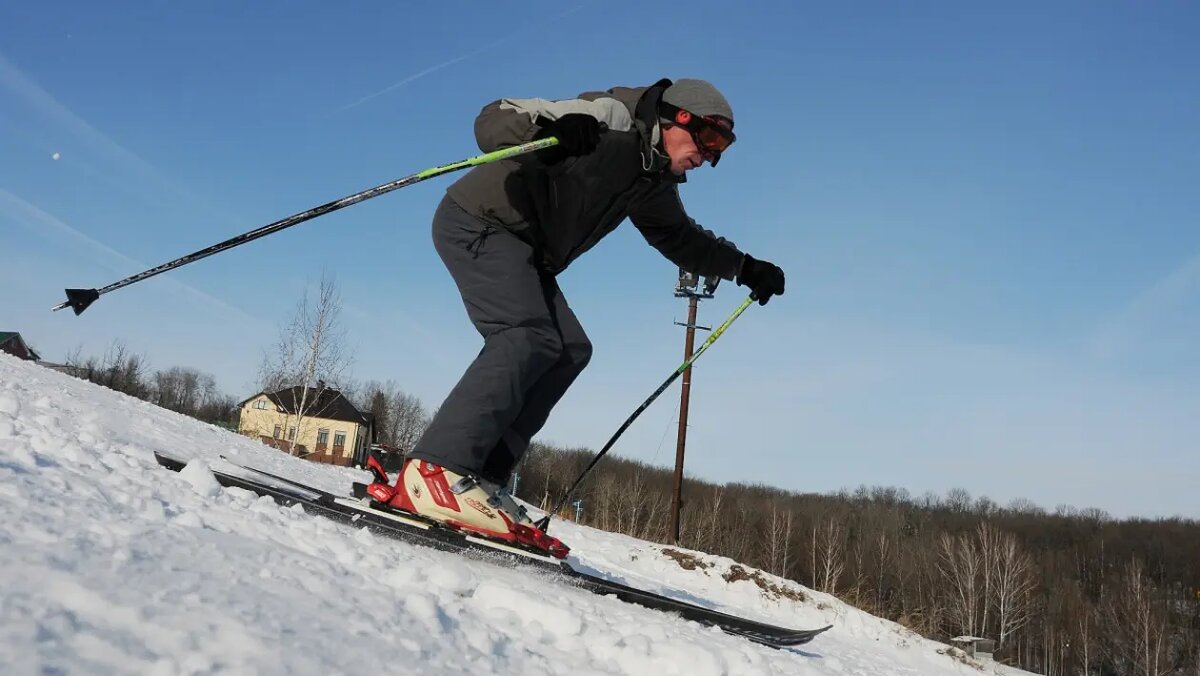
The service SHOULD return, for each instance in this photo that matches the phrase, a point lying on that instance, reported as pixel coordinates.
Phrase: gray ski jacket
(564, 209)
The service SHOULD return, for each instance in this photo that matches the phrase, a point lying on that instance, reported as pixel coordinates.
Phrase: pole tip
(79, 299)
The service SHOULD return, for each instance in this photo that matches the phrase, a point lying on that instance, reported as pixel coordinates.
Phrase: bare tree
(779, 539)
(829, 552)
(958, 500)
(124, 371)
(182, 389)
(1136, 625)
(400, 418)
(713, 514)
(373, 398)
(74, 361)
(310, 356)
(119, 370)
(884, 548)
(80, 366)
(630, 500)
(960, 564)
(1010, 571)
(985, 506)
(1025, 506)
(989, 546)
(652, 518)
(407, 419)
(603, 500)
(1085, 619)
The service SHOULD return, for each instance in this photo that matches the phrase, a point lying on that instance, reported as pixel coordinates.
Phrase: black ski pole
(544, 522)
(79, 299)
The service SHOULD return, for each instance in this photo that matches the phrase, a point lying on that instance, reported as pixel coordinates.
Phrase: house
(12, 343)
(329, 428)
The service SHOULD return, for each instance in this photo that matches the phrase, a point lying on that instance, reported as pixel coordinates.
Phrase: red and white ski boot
(462, 502)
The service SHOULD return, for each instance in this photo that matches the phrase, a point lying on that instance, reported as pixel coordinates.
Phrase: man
(506, 229)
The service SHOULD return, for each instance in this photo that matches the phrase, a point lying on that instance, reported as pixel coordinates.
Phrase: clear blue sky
(988, 217)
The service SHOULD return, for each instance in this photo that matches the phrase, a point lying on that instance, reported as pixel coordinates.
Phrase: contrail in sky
(35, 219)
(432, 69)
(1164, 296)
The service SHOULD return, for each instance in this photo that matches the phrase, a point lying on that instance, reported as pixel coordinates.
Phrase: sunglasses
(713, 134)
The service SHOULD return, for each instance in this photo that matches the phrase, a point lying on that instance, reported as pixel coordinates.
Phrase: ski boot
(462, 502)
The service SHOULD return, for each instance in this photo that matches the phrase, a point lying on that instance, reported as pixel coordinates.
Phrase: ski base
(383, 520)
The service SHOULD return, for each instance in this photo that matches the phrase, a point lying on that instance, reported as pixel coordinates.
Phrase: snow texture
(110, 564)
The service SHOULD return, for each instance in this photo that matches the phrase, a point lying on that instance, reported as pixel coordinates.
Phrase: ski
(379, 519)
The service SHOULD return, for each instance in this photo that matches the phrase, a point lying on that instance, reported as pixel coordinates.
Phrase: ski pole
(79, 299)
(544, 522)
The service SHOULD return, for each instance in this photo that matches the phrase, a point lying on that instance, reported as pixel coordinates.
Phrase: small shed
(973, 646)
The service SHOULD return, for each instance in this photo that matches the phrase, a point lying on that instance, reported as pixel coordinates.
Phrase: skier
(506, 230)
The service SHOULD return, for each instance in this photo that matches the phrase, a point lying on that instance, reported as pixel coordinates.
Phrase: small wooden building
(12, 343)
(979, 648)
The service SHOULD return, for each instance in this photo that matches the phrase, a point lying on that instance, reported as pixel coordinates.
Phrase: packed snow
(113, 565)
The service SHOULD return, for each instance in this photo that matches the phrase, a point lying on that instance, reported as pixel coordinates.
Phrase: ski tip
(78, 300)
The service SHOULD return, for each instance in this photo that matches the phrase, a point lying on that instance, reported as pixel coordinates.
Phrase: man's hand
(577, 133)
(762, 278)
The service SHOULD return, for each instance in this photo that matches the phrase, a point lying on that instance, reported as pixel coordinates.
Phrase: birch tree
(829, 553)
(779, 539)
(1011, 572)
(989, 552)
(310, 355)
(1136, 625)
(960, 564)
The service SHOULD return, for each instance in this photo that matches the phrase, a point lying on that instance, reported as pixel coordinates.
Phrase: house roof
(331, 404)
(6, 336)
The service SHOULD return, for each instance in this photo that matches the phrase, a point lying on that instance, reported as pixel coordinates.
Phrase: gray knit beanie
(698, 97)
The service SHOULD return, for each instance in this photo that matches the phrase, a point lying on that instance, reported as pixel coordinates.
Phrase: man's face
(681, 148)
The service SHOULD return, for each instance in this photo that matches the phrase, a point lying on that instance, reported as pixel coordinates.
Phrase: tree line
(1062, 592)
(179, 388)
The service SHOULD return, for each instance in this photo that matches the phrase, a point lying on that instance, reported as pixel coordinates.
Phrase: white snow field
(110, 564)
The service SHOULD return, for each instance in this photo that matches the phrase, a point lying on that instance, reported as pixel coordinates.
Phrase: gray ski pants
(533, 349)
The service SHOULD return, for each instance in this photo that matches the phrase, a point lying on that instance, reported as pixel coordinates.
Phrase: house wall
(16, 348)
(257, 423)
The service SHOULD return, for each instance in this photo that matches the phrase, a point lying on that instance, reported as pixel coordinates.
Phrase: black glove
(577, 133)
(762, 278)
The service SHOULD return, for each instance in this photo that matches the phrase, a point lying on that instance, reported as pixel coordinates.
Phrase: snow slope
(112, 565)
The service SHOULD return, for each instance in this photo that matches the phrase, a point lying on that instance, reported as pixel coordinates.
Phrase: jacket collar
(654, 160)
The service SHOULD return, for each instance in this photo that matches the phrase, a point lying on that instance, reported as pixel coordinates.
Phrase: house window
(261, 404)
(322, 438)
(278, 430)
(291, 434)
(339, 441)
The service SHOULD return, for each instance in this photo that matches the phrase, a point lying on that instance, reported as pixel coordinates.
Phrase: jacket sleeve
(510, 122)
(665, 224)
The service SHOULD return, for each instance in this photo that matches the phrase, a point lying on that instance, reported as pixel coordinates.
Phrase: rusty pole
(677, 496)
